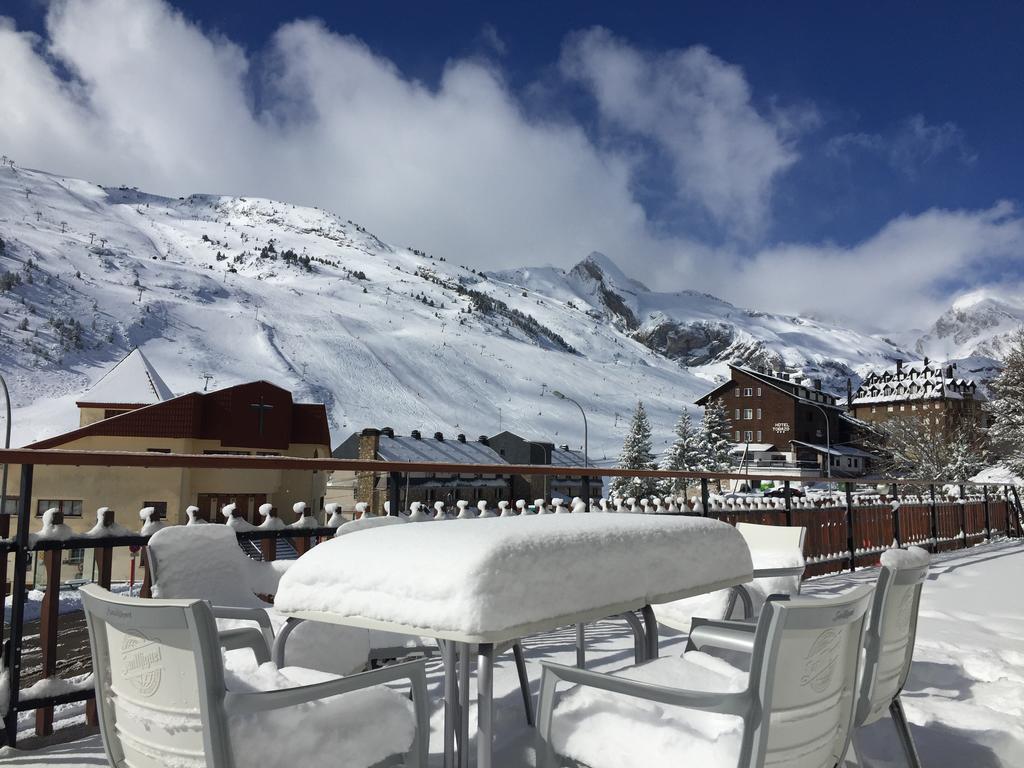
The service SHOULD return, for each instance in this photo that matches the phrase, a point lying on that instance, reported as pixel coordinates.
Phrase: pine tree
(714, 442)
(685, 455)
(637, 454)
(1007, 408)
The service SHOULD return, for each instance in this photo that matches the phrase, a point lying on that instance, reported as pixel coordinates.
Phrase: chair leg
(639, 638)
(524, 683)
(581, 646)
(899, 717)
(546, 757)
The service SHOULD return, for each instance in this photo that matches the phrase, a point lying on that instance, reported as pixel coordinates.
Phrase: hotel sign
(781, 427)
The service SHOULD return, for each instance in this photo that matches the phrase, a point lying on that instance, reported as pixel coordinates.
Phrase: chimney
(461, 438)
(949, 371)
(416, 435)
(926, 362)
(899, 364)
(817, 384)
(439, 436)
(483, 440)
(388, 432)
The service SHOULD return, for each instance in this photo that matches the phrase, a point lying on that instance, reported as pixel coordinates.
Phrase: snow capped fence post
(12, 650)
(988, 521)
(850, 543)
(935, 519)
(48, 628)
(963, 515)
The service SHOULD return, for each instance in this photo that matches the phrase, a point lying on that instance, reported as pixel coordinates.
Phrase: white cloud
(909, 145)
(725, 155)
(460, 169)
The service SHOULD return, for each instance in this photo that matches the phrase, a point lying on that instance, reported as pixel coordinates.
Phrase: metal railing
(840, 531)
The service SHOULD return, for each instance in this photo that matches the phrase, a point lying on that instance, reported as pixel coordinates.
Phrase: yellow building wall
(126, 489)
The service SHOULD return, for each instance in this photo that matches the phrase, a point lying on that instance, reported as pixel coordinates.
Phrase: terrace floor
(964, 699)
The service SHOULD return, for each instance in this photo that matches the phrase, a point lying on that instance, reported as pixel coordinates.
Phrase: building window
(758, 391)
(903, 408)
(737, 435)
(874, 409)
(891, 408)
(74, 557)
(748, 413)
(69, 508)
(748, 436)
(159, 506)
(759, 413)
(737, 414)
(158, 450)
(759, 438)
(748, 392)
(913, 406)
(737, 391)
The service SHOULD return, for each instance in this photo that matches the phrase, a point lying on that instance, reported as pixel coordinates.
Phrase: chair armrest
(764, 573)
(727, 703)
(727, 635)
(261, 701)
(245, 637)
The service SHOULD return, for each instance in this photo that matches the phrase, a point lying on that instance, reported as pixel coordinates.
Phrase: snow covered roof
(998, 474)
(565, 457)
(835, 450)
(752, 447)
(133, 381)
(917, 381)
(430, 449)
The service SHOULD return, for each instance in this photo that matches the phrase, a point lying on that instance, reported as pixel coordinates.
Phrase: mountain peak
(601, 267)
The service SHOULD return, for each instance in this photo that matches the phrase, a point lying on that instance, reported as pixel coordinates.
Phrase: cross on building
(261, 408)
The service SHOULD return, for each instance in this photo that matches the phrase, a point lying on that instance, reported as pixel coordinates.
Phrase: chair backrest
(159, 681)
(202, 562)
(773, 537)
(892, 629)
(805, 664)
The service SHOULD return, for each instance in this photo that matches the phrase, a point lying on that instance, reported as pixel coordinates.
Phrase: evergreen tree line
(702, 447)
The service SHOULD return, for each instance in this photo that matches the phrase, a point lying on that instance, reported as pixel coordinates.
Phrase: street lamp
(828, 446)
(7, 444)
(586, 463)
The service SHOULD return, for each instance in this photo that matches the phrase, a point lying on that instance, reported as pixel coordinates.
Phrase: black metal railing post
(394, 490)
(935, 519)
(963, 516)
(12, 650)
(849, 526)
(894, 492)
(789, 503)
(705, 496)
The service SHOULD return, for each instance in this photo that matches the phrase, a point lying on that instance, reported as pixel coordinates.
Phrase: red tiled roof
(230, 416)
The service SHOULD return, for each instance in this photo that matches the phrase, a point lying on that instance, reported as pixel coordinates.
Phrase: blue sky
(738, 147)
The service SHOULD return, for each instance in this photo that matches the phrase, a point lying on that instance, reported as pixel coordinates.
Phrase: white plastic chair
(777, 553)
(794, 708)
(206, 563)
(889, 642)
(163, 697)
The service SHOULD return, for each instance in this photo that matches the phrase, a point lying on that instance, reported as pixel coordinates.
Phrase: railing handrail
(63, 457)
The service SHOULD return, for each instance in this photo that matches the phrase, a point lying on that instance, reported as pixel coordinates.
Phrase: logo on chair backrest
(141, 663)
(821, 661)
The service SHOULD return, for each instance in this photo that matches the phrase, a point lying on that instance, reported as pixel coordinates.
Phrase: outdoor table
(491, 581)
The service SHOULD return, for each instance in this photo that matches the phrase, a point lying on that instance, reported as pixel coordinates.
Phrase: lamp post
(7, 444)
(828, 445)
(586, 463)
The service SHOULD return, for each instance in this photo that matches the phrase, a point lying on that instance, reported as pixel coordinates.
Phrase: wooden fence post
(849, 526)
(48, 629)
(269, 549)
(963, 517)
(988, 520)
(104, 566)
(12, 650)
(935, 520)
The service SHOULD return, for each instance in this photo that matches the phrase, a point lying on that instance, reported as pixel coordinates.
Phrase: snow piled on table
(485, 575)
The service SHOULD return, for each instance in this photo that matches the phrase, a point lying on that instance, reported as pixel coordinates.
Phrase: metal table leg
(484, 705)
(524, 683)
(639, 637)
(464, 649)
(450, 705)
(651, 624)
(581, 646)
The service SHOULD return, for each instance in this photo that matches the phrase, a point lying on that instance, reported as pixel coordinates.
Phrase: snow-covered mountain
(245, 288)
(978, 325)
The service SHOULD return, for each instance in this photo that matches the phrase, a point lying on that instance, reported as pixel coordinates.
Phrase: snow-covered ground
(964, 699)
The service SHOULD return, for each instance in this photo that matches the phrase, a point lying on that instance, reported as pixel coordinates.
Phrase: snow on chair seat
(205, 562)
(795, 707)
(164, 697)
